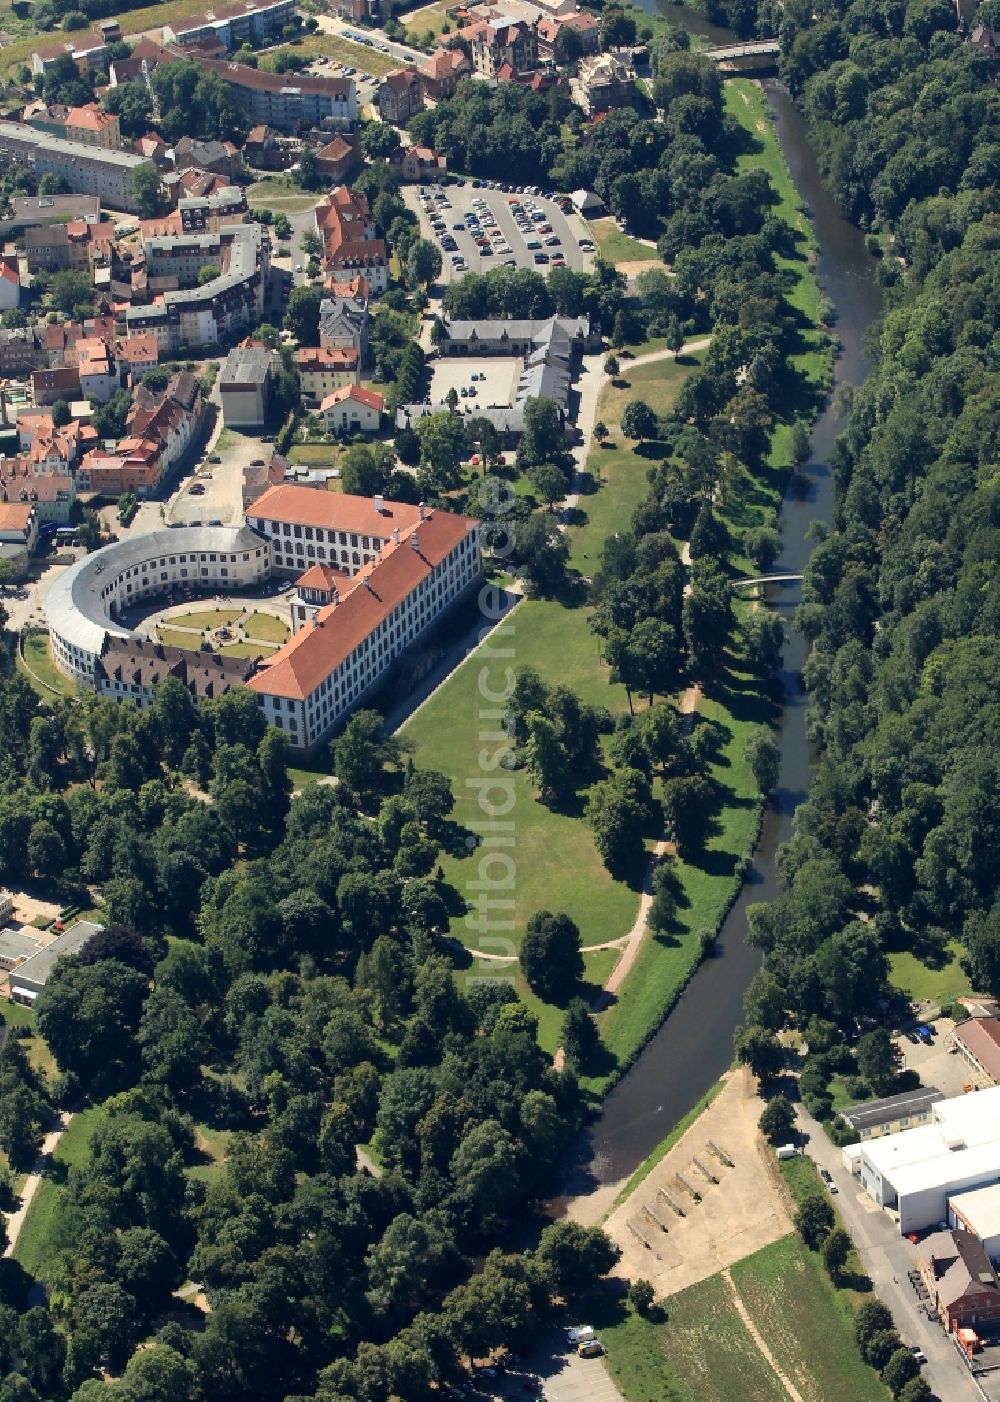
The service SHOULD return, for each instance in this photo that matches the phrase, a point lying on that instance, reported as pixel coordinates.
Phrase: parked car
(197, 489)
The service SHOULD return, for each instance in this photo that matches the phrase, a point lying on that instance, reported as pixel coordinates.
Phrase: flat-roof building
(286, 101)
(88, 170)
(29, 978)
(873, 1118)
(978, 1212)
(16, 945)
(245, 386)
(915, 1172)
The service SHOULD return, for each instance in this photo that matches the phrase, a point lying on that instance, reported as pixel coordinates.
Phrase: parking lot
(552, 236)
(936, 1064)
(563, 1377)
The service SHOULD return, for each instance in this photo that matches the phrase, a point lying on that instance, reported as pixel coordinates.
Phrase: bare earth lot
(736, 1216)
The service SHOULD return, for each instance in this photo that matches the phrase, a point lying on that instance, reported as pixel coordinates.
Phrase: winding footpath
(16, 1220)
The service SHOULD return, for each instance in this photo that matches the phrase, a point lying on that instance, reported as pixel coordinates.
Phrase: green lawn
(246, 650)
(617, 470)
(806, 1323)
(132, 22)
(177, 637)
(275, 191)
(428, 19)
(614, 246)
(315, 455)
(928, 983)
(203, 619)
(334, 46)
(266, 627)
(43, 675)
(36, 1245)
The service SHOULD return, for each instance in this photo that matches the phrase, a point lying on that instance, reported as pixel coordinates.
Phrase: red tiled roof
(260, 81)
(297, 669)
(334, 511)
(323, 577)
(370, 398)
(326, 358)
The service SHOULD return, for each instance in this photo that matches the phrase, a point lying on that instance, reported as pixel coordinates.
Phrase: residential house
(48, 386)
(20, 351)
(46, 248)
(152, 147)
(323, 369)
(343, 317)
(498, 44)
(338, 159)
(259, 477)
(10, 283)
(350, 248)
(583, 25)
(400, 96)
(442, 72)
(603, 82)
(18, 532)
(91, 126)
(352, 409)
(245, 386)
(51, 493)
(418, 163)
(218, 157)
(137, 354)
(98, 370)
(961, 1281)
(141, 62)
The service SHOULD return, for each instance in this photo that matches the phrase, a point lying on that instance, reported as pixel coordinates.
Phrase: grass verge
(930, 983)
(334, 46)
(614, 246)
(37, 665)
(37, 1244)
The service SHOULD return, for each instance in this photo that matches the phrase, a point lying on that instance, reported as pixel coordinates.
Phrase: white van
(581, 1335)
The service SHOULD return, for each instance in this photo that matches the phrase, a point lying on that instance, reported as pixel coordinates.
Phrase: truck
(787, 1151)
(593, 1348)
(582, 1334)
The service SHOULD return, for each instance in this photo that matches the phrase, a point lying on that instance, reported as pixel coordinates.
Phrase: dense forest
(898, 844)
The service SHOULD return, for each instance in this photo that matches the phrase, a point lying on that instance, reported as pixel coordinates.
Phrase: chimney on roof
(336, 596)
(380, 505)
(414, 542)
(422, 510)
(395, 536)
(315, 621)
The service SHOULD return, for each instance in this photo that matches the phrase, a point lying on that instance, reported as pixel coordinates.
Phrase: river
(694, 1045)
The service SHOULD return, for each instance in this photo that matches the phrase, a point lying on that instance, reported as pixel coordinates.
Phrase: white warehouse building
(915, 1172)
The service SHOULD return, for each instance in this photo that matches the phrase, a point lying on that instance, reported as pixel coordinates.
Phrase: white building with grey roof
(30, 977)
(86, 603)
(87, 170)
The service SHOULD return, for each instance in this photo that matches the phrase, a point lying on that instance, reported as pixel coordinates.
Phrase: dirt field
(736, 1215)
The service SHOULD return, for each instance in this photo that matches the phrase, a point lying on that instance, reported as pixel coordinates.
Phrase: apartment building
(286, 101)
(129, 669)
(19, 524)
(323, 369)
(603, 81)
(88, 51)
(350, 247)
(442, 72)
(253, 22)
(400, 96)
(159, 429)
(87, 170)
(207, 314)
(343, 317)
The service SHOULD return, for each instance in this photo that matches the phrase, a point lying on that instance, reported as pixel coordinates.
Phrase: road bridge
(754, 48)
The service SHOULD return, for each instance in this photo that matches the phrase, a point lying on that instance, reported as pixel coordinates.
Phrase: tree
(442, 442)
(601, 432)
(423, 263)
(611, 367)
(46, 850)
(360, 754)
(880, 1347)
(619, 822)
(836, 1249)
(575, 1257)
(798, 443)
(777, 1121)
(543, 438)
(579, 1035)
(379, 140)
(548, 481)
(89, 1015)
(899, 1370)
(762, 544)
(759, 1049)
(638, 420)
(876, 1058)
(147, 192)
(761, 752)
(916, 1390)
(550, 955)
(617, 29)
(60, 414)
(872, 1317)
(541, 551)
(70, 290)
(814, 1220)
(302, 316)
(641, 1296)
(208, 273)
(546, 759)
(763, 639)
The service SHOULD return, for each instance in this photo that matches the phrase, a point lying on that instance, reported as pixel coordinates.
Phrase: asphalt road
(568, 228)
(887, 1257)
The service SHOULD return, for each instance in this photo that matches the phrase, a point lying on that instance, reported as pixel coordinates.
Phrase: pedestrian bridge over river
(767, 579)
(756, 53)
